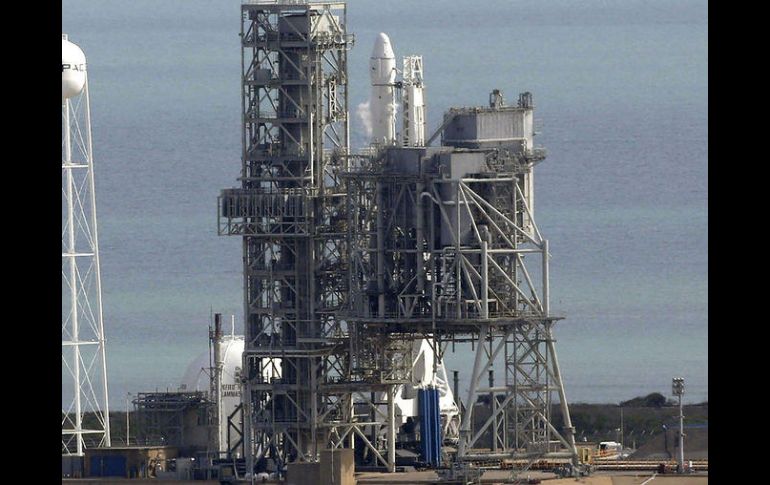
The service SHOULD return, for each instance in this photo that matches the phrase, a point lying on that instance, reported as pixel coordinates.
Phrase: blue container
(108, 466)
(430, 426)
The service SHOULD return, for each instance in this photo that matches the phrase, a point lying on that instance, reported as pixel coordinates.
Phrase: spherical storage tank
(73, 69)
(196, 377)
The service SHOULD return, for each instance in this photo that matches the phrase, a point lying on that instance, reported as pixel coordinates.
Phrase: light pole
(677, 389)
(128, 422)
(622, 444)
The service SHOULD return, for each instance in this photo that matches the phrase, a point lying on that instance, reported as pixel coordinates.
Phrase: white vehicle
(610, 450)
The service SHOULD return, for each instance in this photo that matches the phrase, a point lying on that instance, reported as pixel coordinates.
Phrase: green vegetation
(117, 427)
(654, 400)
(643, 419)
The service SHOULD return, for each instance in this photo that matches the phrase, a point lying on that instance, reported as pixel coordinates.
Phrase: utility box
(585, 454)
(337, 467)
(509, 127)
(71, 466)
(303, 473)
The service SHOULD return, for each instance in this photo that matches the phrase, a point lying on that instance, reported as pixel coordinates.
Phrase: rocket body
(382, 103)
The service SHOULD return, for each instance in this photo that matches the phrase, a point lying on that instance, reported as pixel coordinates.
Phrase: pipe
(562, 395)
(380, 254)
(546, 289)
(493, 405)
(465, 427)
(456, 386)
(681, 436)
(484, 278)
(420, 236)
(513, 455)
(217, 376)
(391, 430)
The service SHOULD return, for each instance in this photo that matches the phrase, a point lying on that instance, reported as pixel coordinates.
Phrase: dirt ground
(410, 478)
(499, 476)
(632, 480)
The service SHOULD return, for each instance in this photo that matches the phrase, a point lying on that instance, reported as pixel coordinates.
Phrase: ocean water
(620, 89)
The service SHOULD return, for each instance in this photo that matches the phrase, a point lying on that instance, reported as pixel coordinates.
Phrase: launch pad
(352, 259)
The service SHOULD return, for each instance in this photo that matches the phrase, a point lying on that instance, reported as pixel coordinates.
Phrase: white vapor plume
(364, 113)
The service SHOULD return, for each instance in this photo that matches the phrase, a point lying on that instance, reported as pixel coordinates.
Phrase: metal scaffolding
(186, 420)
(351, 258)
(288, 211)
(444, 246)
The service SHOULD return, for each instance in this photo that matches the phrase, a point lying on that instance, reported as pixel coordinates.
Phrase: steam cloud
(364, 113)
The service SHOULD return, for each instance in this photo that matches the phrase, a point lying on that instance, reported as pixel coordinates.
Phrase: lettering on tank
(231, 390)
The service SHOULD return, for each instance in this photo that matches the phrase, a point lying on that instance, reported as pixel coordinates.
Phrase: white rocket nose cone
(382, 48)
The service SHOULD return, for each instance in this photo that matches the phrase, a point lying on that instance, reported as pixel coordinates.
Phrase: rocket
(382, 104)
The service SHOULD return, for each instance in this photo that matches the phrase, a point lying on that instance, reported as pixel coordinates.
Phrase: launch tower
(445, 246)
(290, 213)
(351, 260)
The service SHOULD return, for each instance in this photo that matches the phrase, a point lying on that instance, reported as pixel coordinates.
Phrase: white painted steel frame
(84, 365)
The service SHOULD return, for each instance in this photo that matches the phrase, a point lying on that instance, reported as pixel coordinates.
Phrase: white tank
(73, 69)
(196, 378)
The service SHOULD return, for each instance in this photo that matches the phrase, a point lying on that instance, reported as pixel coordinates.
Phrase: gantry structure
(289, 212)
(85, 404)
(444, 245)
(350, 258)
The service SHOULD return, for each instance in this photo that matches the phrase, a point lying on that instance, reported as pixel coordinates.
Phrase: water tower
(85, 412)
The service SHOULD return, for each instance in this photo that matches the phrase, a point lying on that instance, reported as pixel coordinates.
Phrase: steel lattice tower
(350, 259)
(445, 246)
(84, 369)
(289, 211)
